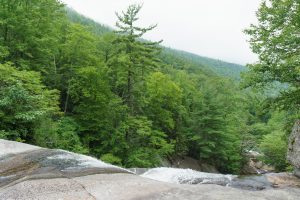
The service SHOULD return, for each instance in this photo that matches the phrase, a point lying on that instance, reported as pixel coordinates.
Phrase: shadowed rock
(293, 154)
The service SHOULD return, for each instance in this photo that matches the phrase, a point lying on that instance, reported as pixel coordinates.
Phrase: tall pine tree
(134, 57)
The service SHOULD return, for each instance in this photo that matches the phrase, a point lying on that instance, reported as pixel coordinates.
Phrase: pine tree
(134, 57)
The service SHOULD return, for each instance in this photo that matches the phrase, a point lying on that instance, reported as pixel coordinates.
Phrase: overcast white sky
(211, 28)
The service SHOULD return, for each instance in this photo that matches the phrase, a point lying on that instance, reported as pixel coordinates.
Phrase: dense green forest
(71, 83)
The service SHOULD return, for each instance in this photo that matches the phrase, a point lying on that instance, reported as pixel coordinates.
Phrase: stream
(252, 182)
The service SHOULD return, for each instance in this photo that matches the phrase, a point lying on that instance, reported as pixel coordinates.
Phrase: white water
(84, 161)
(187, 176)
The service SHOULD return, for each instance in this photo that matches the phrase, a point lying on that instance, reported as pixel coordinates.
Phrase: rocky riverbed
(30, 172)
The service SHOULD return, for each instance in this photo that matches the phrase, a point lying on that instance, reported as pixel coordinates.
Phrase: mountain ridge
(221, 68)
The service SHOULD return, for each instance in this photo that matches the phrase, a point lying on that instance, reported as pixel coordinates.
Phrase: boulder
(249, 168)
(284, 179)
(297, 172)
(255, 165)
(293, 154)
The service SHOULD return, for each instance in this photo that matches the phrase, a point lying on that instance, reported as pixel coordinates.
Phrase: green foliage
(23, 101)
(93, 26)
(29, 32)
(163, 106)
(178, 59)
(162, 101)
(144, 145)
(214, 126)
(273, 141)
(217, 66)
(96, 109)
(61, 134)
(143, 157)
(45, 135)
(133, 58)
(76, 85)
(274, 148)
(78, 44)
(276, 40)
(110, 158)
(3, 135)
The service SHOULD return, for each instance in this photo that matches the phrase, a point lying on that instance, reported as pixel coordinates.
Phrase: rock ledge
(293, 155)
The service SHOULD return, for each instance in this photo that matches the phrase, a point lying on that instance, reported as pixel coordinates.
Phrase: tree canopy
(276, 40)
(68, 82)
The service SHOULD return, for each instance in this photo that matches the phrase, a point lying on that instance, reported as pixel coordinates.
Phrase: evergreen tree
(134, 58)
(214, 133)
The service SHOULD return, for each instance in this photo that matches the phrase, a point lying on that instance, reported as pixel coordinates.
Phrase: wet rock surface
(28, 172)
(46, 163)
(266, 181)
(253, 183)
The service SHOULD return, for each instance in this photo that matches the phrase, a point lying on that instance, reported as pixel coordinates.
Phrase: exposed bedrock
(293, 154)
(30, 172)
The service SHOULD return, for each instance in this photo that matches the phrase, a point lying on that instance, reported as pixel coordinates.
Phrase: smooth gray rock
(297, 172)
(128, 186)
(293, 154)
(11, 147)
(28, 162)
(28, 172)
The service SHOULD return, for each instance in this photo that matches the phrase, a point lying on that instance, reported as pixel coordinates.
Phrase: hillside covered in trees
(219, 67)
(68, 82)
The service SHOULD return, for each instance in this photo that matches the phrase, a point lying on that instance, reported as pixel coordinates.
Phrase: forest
(71, 83)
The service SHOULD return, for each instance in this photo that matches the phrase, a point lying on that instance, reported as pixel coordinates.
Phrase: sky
(211, 28)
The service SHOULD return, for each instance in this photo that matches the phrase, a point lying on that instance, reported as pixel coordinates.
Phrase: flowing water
(253, 182)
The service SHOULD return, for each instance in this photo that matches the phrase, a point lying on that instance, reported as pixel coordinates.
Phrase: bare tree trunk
(55, 70)
(67, 99)
(129, 91)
